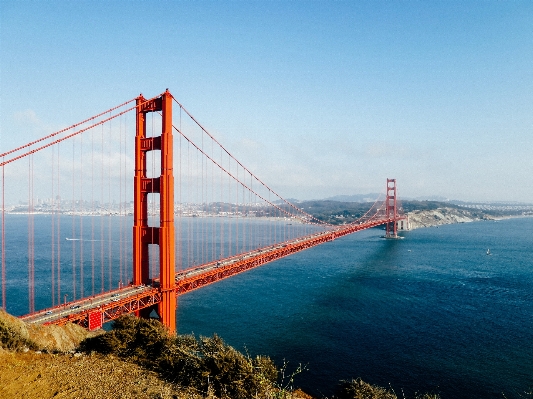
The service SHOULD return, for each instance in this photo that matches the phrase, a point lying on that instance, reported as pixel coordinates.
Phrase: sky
(317, 98)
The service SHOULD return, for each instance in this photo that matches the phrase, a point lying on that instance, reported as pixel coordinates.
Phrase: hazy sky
(317, 98)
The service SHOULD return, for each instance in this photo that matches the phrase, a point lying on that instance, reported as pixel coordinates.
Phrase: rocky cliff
(442, 216)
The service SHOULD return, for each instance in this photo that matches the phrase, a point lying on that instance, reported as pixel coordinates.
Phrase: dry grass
(31, 375)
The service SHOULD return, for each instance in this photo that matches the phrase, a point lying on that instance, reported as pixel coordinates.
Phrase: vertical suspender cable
(196, 201)
(124, 223)
(92, 212)
(58, 221)
(205, 208)
(109, 231)
(222, 217)
(202, 219)
(245, 227)
(120, 216)
(230, 235)
(73, 217)
(53, 231)
(200, 199)
(189, 189)
(237, 220)
(252, 234)
(30, 235)
(102, 246)
(214, 211)
(82, 206)
(3, 239)
(270, 216)
(32, 238)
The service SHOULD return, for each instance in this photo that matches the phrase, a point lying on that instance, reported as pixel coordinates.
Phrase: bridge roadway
(110, 305)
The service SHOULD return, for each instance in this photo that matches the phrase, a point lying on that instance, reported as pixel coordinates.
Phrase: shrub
(358, 389)
(139, 340)
(233, 374)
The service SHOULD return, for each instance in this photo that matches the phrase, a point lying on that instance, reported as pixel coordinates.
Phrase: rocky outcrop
(442, 216)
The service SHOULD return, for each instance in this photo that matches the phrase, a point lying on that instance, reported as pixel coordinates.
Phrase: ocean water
(429, 313)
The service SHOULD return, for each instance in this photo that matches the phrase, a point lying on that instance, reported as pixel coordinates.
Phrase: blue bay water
(429, 313)
(432, 312)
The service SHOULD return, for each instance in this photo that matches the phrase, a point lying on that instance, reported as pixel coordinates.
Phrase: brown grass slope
(32, 376)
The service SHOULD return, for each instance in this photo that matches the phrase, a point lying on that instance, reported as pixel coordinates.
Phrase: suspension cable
(242, 166)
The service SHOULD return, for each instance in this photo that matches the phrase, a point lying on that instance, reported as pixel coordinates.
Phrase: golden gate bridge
(211, 221)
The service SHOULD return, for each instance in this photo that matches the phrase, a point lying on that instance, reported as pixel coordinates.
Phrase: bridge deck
(111, 305)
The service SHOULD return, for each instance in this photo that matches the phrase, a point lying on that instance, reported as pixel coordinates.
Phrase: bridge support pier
(144, 234)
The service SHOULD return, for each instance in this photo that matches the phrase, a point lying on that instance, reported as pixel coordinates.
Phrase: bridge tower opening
(391, 210)
(143, 234)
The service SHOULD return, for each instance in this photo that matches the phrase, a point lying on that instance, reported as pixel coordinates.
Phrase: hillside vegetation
(205, 365)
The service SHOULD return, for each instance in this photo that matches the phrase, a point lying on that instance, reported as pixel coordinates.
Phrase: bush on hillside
(234, 375)
(358, 389)
(207, 365)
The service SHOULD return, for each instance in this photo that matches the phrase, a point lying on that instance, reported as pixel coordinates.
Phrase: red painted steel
(167, 256)
(148, 294)
(143, 234)
(194, 278)
(391, 210)
(95, 320)
(201, 276)
(111, 310)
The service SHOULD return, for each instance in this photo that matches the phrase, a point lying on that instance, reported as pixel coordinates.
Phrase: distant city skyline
(317, 99)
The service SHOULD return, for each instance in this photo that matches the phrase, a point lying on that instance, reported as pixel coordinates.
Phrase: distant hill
(373, 196)
(354, 198)
(291, 200)
(344, 212)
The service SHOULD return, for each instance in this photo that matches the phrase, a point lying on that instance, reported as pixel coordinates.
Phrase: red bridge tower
(143, 234)
(391, 210)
